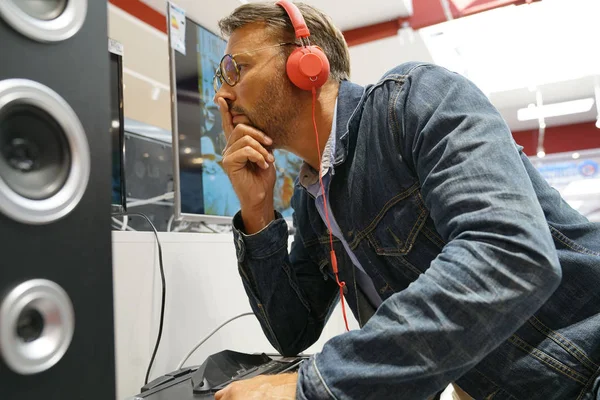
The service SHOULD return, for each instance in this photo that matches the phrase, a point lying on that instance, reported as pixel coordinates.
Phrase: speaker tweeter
(36, 326)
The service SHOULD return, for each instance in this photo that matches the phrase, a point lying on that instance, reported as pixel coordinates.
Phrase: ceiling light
(541, 154)
(598, 123)
(556, 109)
(575, 156)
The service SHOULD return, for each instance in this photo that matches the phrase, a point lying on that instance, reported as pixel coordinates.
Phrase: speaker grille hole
(34, 152)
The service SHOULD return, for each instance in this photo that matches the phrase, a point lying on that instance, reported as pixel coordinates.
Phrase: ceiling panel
(349, 14)
(346, 14)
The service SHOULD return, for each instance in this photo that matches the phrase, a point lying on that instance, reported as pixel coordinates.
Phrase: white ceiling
(346, 14)
(550, 45)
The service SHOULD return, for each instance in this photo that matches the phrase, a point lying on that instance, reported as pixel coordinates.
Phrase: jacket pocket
(403, 242)
(394, 230)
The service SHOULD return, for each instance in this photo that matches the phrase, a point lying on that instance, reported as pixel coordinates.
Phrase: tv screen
(117, 132)
(202, 189)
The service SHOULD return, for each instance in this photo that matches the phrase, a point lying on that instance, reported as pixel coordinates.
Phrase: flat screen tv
(203, 191)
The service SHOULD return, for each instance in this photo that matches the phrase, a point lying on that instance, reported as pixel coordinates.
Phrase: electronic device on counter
(148, 173)
(202, 189)
(217, 371)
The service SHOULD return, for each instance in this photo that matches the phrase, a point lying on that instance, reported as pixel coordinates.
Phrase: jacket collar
(350, 96)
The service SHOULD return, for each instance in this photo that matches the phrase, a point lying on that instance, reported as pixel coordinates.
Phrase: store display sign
(177, 28)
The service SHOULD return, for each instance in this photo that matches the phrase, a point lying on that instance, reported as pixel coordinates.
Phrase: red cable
(332, 253)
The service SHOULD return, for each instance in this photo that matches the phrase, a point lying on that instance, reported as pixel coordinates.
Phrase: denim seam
(384, 289)
(409, 265)
(433, 237)
(321, 240)
(548, 360)
(565, 343)
(590, 383)
(321, 379)
(251, 257)
(248, 279)
(384, 209)
(487, 378)
(412, 236)
(495, 387)
(398, 78)
(391, 111)
(558, 235)
(295, 287)
(266, 319)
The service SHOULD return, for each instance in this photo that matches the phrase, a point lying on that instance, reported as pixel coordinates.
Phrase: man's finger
(238, 159)
(249, 141)
(242, 130)
(226, 118)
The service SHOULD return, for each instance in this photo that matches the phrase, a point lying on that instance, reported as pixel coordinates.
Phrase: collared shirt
(310, 180)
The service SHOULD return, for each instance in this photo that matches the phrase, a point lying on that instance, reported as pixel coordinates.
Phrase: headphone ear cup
(308, 67)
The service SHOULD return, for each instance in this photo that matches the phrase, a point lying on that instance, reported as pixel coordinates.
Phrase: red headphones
(307, 66)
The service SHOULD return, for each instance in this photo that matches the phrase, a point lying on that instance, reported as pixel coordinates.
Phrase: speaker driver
(34, 152)
(45, 20)
(36, 326)
(44, 153)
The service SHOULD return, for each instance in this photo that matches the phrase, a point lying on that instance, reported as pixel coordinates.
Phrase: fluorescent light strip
(556, 109)
(146, 79)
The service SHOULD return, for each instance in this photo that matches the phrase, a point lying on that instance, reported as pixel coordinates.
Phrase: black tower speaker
(56, 296)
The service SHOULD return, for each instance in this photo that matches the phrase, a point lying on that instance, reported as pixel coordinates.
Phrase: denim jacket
(489, 278)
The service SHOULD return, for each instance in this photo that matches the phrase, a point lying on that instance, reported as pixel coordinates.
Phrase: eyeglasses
(228, 70)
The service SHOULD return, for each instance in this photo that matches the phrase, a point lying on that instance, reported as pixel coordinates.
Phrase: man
(460, 263)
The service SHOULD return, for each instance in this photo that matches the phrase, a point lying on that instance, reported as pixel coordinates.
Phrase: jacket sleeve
(288, 293)
(498, 267)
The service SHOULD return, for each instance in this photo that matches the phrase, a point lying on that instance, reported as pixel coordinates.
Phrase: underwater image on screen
(205, 188)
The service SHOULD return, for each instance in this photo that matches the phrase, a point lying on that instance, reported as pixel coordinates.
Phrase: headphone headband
(296, 17)
(307, 66)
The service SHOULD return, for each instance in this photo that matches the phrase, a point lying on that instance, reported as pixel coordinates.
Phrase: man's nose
(226, 92)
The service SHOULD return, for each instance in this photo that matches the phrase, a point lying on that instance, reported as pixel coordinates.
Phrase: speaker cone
(44, 154)
(45, 20)
(34, 152)
(36, 326)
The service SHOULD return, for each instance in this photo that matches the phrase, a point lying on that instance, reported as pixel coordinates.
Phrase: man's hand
(263, 387)
(249, 166)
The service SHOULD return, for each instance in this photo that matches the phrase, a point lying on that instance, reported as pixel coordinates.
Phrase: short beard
(276, 112)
